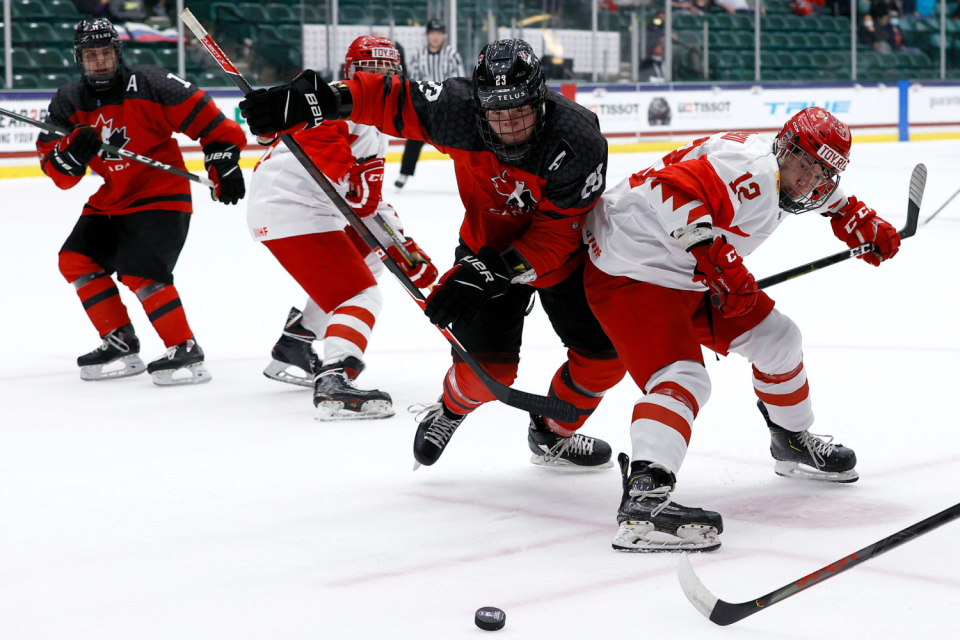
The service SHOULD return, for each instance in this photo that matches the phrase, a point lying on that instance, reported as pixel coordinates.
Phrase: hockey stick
(51, 128)
(724, 613)
(541, 405)
(917, 183)
(942, 207)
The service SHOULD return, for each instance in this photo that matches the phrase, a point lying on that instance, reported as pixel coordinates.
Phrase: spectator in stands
(888, 31)
(651, 68)
(922, 7)
(868, 34)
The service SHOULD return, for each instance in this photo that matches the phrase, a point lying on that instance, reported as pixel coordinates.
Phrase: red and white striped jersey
(730, 180)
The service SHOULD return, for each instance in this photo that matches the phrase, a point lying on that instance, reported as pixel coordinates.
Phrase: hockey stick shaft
(724, 613)
(541, 405)
(942, 207)
(51, 128)
(918, 182)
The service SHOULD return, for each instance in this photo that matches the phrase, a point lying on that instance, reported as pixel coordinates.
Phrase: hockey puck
(490, 618)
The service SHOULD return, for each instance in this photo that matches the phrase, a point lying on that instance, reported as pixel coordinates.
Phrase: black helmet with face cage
(93, 33)
(508, 76)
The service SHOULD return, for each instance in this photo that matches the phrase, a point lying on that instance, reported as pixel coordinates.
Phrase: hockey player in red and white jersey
(666, 275)
(297, 222)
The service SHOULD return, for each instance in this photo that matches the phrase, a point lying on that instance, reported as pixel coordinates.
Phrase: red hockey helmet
(812, 149)
(369, 53)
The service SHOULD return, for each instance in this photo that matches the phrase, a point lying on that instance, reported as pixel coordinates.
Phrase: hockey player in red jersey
(136, 224)
(669, 240)
(530, 164)
(298, 223)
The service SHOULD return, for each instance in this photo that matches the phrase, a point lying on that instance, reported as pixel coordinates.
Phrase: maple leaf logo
(515, 191)
(114, 137)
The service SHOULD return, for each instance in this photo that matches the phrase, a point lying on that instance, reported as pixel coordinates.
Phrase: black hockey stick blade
(723, 613)
(553, 408)
(918, 181)
(54, 129)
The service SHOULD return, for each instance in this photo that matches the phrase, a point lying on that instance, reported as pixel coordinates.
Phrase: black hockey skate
(651, 522)
(550, 449)
(182, 364)
(294, 360)
(120, 349)
(806, 456)
(435, 428)
(337, 398)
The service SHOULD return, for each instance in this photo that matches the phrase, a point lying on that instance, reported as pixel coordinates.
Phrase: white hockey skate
(117, 357)
(180, 365)
(650, 522)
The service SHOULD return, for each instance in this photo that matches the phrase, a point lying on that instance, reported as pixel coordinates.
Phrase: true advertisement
(650, 112)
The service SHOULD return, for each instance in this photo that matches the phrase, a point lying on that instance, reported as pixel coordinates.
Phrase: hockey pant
(343, 297)
(658, 333)
(142, 248)
(494, 335)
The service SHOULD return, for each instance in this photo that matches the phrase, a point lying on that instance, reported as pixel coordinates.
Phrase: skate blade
(797, 471)
(191, 374)
(120, 368)
(369, 410)
(283, 372)
(641, 537)
(566, 465)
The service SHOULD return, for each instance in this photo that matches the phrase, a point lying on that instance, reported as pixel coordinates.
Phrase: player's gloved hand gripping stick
(540, 405)
(52, 128)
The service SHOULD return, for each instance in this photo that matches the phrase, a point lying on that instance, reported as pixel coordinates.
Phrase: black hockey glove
(308, 99)
(467, 286)
(71, 155)
(222, 161)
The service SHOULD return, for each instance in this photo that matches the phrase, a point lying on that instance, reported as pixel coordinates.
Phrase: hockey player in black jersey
(136, 224)
(530, 164)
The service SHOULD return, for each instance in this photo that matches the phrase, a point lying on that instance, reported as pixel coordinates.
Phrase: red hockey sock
(582, 381)
(97, 290)
(462, 390)
(162, 304)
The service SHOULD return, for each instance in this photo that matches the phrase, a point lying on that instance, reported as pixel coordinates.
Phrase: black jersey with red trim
(537, 205)
(139, 113)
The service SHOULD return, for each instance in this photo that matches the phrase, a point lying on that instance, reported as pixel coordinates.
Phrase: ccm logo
(832, 158)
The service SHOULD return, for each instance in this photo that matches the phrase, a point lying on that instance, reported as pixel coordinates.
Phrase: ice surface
(226, 511)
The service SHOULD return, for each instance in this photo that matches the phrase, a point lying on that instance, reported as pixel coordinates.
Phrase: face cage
(383, 67)
(98, 80)
(790, 151)
(513, 151)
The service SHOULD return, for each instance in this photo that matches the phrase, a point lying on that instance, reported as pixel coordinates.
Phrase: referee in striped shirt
(434, 63)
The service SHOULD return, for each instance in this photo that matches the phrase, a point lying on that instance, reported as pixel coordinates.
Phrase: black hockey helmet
(92, 33)
(509, 76)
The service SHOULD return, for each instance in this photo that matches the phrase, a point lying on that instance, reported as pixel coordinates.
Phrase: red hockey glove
(71, 155)
(222, 161)
(467, 286)
(366, 183)
(858, 224)
(422, 272)
(720, 267)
